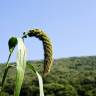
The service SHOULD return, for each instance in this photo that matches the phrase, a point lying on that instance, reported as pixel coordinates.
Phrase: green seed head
(12, 43)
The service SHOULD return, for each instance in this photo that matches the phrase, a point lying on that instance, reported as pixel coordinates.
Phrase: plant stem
(6, 70)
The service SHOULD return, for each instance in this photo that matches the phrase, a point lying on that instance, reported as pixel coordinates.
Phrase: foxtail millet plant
(21, 60)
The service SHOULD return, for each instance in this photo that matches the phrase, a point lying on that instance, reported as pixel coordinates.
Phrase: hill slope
(75, 76)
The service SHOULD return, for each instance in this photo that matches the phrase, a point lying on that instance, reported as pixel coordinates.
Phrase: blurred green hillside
(74, 76)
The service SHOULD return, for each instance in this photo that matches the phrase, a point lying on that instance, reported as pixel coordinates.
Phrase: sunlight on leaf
(40, 84)
(39, 78)
(21, 65)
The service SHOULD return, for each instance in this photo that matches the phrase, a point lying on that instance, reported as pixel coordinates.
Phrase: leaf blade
(39, 79)
(21, 65)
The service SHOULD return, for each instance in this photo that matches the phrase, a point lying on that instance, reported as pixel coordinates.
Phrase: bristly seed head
(48, 52)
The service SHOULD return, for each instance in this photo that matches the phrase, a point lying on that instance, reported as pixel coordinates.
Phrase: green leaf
(40, 84)
(21, 65)
(12, 43)
(39, 79)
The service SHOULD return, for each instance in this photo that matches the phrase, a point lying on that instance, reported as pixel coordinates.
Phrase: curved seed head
(47, 46)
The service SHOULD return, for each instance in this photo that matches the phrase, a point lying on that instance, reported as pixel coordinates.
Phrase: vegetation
(75, 76)
(21, 60)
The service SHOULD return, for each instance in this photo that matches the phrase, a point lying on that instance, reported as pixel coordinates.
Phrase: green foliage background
(75, 76)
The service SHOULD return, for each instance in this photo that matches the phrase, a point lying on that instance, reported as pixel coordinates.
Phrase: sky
(71, 25)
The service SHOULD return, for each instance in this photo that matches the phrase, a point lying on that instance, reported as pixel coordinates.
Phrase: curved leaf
(39, 79)
(21, 65)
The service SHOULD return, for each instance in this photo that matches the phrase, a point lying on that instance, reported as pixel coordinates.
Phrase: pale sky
(71, 25)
